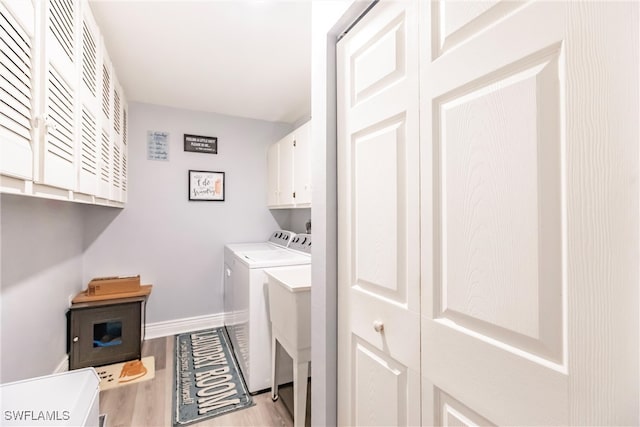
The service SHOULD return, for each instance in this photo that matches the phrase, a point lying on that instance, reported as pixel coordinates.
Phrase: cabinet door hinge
(294, 142)
(294, 194)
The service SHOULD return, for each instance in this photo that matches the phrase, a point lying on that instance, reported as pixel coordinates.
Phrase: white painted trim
(178, 326)
(63, 366)
(330, 19)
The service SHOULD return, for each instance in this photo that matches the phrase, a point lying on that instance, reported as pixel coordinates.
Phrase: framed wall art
(206, 186)
(157, 145)
(201, 144)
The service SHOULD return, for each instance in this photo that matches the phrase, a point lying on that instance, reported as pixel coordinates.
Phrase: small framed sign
(206, 186)
(157, 145)
(201, 144)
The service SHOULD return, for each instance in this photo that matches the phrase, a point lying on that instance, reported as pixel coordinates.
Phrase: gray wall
(41, 252)
(176, 244)
(298, 219)
(51, 249)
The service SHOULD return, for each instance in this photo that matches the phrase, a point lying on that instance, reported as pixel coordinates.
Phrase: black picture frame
(206, 186)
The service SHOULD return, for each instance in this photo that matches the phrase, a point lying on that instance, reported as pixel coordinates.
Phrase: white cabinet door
(125, 149)
(58, 155)
(89, 90)
(529, 167)
(105, 163)
(286, 188)
(378, 220)
(17, 35)
(273, 175)
(118, 147)
(63, 121)
(289, 170)
(302, 165)
(113, 158)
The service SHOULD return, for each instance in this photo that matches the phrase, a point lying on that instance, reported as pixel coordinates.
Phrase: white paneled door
(378, 211)
(525, 196)
(529, 213)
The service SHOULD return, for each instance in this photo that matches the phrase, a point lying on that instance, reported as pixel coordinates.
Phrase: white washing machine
(246, 300)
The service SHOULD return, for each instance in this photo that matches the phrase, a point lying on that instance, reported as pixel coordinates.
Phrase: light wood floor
(149, 403)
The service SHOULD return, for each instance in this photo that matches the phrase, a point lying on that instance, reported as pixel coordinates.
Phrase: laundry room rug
(208, 382)
(124, 373)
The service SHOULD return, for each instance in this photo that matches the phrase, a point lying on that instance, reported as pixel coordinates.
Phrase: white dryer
(246, 301)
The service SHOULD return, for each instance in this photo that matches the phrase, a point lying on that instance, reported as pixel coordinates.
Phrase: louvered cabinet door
(125, 149)
(17, 35)
(118, 148)
(58, 156)
(90, 96)
(105, 164)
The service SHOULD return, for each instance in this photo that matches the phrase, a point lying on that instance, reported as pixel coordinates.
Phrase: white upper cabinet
(285, 172)
(302, 165)
(119, 132)
(63, 122)
(289, 170)
(17, 36)
(61, 44)
(124, 148)
(105, 165)
(90, 74)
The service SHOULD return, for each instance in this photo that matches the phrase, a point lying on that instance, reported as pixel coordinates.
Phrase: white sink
(290, 313)
(290, 306)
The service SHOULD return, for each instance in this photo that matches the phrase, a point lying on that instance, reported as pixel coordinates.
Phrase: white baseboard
(63, 366)
(179, 326)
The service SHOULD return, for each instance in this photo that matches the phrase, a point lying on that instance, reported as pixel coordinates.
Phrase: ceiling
(245, 58)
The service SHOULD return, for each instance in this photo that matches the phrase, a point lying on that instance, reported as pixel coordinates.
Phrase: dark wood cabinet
(105, 332)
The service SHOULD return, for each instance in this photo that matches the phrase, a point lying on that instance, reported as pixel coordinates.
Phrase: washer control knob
(378, 326)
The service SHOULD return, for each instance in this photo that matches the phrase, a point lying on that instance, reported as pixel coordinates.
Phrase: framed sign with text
(157, 145)
(201, 144)
(206, 186)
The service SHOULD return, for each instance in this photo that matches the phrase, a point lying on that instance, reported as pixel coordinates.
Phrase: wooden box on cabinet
(113, 285)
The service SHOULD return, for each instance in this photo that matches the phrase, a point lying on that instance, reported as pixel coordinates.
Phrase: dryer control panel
(282, 237)
(302, 243)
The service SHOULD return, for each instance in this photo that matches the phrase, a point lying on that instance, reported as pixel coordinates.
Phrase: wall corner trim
(63, 366)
